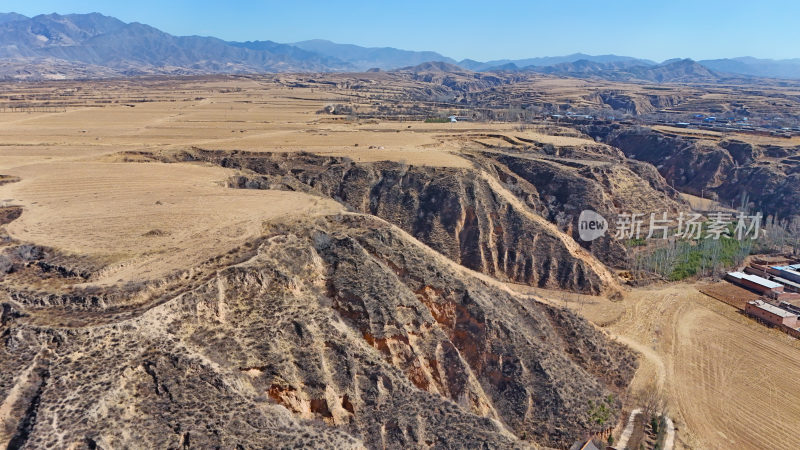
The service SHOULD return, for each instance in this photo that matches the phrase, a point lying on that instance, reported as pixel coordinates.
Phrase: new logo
(591, 225)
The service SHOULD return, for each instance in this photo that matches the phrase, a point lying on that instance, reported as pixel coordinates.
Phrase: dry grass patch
(146, 218)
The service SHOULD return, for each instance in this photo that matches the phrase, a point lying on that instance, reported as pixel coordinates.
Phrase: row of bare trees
(676, 259)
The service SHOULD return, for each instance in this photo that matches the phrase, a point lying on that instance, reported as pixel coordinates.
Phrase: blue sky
(477, 29)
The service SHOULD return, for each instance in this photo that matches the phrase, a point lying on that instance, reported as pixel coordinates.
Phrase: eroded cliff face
(691, 166)
(768, 177)
(566, 187)
(636, 104)
(513, 216)
(342, 333)
(465, 214)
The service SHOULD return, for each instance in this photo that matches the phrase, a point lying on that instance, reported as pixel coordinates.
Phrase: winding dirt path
(728, 381)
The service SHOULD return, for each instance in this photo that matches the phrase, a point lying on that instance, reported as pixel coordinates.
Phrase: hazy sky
(482, 30)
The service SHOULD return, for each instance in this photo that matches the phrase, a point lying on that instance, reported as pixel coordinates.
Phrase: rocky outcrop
(689, 165)
(457, 212)
(635, 104)
(565, 188)
(342, 333)
(729, 171)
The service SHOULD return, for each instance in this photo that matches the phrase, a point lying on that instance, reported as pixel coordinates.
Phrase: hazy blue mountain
(682, 71)
(294, 52)
(508, 67)
(84, 44)
(38, 35)
(551, 61)
(471, 64)
(10, 17)
(746, 65)
(137, 48)
(673, 71)
(433, 66)
(363, 58)
(584, 67)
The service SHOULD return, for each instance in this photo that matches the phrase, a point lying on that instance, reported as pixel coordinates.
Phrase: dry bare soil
(90, 188)
(728, 380)
(85, 193)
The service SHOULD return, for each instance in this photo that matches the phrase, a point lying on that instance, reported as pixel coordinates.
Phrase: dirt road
(729, 382)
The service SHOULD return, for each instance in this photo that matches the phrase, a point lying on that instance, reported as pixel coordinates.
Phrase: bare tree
(651, 400)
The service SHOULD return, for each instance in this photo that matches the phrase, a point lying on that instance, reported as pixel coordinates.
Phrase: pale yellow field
(269, 119)
(729, 382)
(143, 219)
(716, 135)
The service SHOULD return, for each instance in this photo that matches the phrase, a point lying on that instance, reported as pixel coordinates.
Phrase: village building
(791, 273)
(771, 314)
(754, 282)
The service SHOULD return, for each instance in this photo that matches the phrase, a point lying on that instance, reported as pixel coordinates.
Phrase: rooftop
(786, 282)
(791, 308)
(772, 309)
(755, 279)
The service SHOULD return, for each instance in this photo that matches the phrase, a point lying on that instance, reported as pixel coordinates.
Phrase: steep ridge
(341, 333)
(454, 211)
(530, 236)
(565, 188)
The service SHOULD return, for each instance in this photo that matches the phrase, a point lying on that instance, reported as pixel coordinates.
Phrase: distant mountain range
(134, 48)
(10, 17)
(786, 68)
(94, 45)
(364, 58)
(674, 71)
(550, 61)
